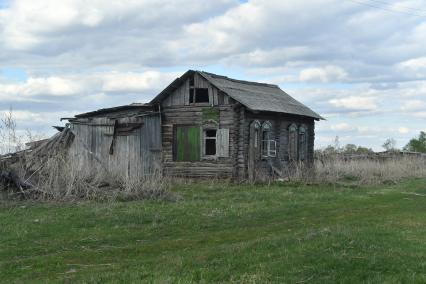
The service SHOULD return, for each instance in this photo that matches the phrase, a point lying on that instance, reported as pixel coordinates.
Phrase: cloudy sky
(359, 63)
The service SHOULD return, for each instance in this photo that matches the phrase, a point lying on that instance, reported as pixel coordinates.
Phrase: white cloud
(413, 105)
(342, 127)
(355, 103)
(414, 64)
(135, 82)
(25, 117)
(28, 23)
(420, 114)
(327, 74)
(86, 84)
(403, 130)
(416, 67)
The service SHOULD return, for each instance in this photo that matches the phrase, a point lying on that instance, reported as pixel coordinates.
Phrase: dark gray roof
(133, 106)
(253, 95)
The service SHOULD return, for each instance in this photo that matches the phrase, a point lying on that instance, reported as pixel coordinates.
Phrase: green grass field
(220, 233)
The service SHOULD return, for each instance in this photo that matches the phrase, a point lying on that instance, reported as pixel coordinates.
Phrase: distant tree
(350, 149)
(417, 144)
(389, 144)
(364, 150)
(330, 150)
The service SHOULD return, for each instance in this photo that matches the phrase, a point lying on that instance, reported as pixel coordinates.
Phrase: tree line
(416, 144)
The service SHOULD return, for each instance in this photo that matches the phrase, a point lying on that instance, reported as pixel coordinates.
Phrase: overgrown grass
(284, 233)
(335, 169)
(60, 179)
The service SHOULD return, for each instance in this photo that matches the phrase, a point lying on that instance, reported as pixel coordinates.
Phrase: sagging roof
(253, 95)
(102, 111)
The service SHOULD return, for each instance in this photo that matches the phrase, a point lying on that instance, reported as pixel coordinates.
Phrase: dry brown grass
(60, 180)
(363, 171)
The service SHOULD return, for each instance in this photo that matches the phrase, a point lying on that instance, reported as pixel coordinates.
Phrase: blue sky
(3, 4)
(361, 64)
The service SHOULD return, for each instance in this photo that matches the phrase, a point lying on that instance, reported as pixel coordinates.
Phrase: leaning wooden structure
(201, 125)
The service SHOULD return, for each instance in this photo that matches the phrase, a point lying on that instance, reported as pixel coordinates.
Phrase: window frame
(205, 137)
(268, 145)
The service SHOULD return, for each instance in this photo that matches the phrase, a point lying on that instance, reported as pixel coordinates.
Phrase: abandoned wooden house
(201, 125)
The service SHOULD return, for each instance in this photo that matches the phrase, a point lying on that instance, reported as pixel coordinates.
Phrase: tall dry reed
(362, 171)
(61, 180)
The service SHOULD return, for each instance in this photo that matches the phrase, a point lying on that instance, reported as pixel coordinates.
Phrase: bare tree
(9, 140)
(389, 144)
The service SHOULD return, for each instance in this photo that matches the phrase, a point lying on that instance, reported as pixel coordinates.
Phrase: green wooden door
(187, 143)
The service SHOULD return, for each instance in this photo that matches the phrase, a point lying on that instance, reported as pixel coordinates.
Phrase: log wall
(280, 124)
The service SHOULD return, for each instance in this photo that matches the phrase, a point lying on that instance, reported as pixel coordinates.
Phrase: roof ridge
(239, 81)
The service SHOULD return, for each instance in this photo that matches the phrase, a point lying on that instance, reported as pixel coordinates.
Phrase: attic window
(198, 95)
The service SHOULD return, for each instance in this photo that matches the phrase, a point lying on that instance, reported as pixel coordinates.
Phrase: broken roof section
(253, 95)
(134, 107)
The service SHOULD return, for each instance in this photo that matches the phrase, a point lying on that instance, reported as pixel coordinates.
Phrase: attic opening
(198, 95)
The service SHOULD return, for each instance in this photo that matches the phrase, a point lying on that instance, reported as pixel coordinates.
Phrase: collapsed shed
(124, 140)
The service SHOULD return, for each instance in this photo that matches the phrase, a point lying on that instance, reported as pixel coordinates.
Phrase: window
(292, 142)
(302, 143)
(216, 142)
(210, 142)
(269, 145)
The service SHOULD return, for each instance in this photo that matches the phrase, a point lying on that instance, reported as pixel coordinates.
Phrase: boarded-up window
(187, 143)
(292, 142)
(223, 142)
(302, 143)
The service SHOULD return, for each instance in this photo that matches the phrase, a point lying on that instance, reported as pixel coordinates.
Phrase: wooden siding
(135, 154)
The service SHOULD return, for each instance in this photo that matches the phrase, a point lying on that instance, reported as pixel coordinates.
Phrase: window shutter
(222, 144)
